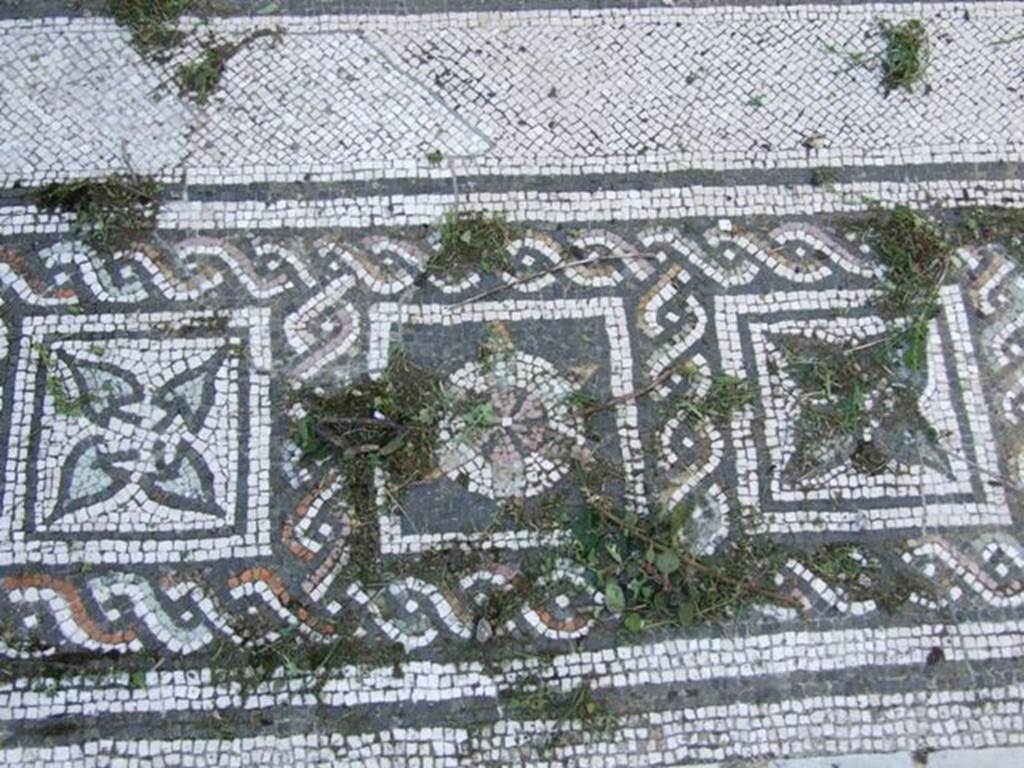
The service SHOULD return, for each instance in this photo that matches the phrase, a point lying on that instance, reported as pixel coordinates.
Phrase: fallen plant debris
(200, 78)
(981, 226)
(388, 422)
(588, 405)
(859, 402)
(866, 573)
(253, 664)
(111, 213)
(531, 699)
(642, 563)
(858, 405)
(153, 23)
(917, 259)
(916, 255)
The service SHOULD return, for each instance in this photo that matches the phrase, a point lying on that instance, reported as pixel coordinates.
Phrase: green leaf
(613, 552)
(686, 614)
(633, 622)
(308, 439)
(267, 8)
(667, 562)
(586, 530)
(614, 597)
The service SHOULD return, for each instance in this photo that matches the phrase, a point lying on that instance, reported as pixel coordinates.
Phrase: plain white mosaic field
(527, 93)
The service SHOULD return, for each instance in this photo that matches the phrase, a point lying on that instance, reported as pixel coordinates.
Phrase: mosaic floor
(666, 478)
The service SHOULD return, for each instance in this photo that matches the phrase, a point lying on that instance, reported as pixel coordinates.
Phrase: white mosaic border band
(674, 663)
(514, 93)
(941, 719)
(554, 207)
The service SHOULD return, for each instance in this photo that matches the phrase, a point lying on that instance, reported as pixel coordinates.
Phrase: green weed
(471, 241)
(153, 23)
(201, 77)
(854, 59)
(725, 396)
(647, 576)
(906, 48)
(66, 398)
(477, 418)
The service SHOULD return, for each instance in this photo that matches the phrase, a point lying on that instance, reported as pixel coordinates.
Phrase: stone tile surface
(181, 586)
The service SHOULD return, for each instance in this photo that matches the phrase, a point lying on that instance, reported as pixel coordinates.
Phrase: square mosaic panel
(925, 491)
(524, 453)
(138, 438)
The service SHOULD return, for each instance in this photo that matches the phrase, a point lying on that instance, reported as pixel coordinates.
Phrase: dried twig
(551, 270)
(656, 382)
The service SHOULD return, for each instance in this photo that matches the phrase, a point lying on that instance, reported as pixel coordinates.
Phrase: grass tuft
(471, 241)
(916, 255)
(201, 77)
(825, 178)
(906, 47)
(110, 213)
